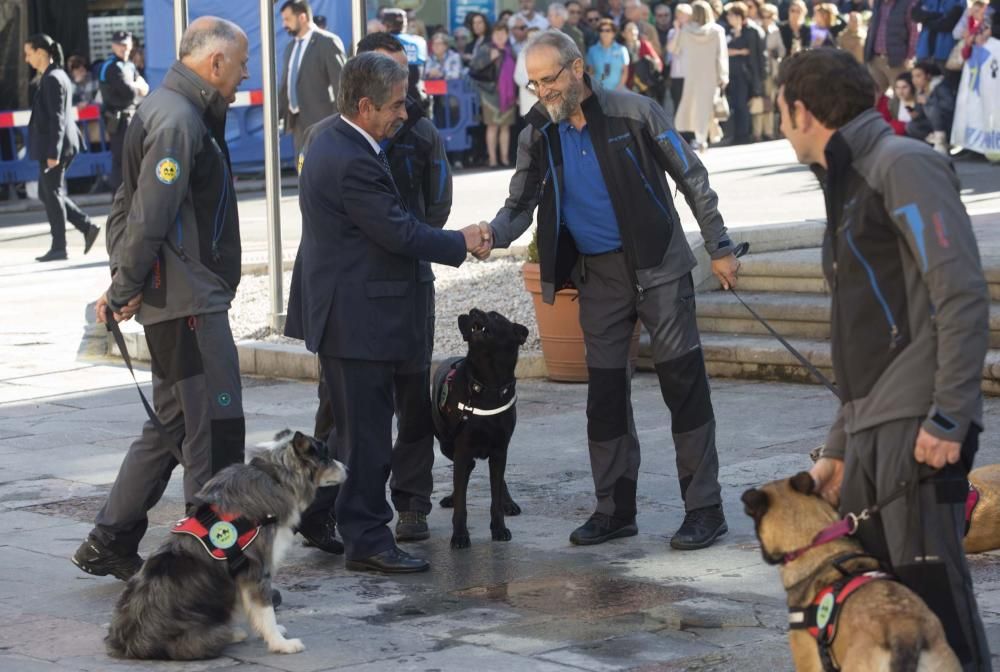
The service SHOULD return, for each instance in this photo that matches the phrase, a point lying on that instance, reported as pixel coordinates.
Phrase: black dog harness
(224, 536)
(820, 618)
(453, 406)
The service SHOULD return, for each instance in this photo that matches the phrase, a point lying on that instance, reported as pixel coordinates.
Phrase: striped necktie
(384, 160)
(293, 94)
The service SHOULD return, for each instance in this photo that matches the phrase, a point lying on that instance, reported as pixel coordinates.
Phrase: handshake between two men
(478, 240)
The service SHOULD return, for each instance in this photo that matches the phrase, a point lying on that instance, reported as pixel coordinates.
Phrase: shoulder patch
(168, 170)
(302, 160)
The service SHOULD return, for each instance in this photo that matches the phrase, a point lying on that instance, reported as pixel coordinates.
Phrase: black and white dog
(181, 604)
(474, 411)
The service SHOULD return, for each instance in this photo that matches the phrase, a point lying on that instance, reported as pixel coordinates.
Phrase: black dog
(474, 414)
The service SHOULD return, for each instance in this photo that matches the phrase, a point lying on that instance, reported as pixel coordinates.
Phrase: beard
(567, 103)
(293, 32)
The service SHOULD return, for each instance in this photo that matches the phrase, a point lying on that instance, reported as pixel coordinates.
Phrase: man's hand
(725, 269)
(131, 308)
(828, 475)
(483, 253)
(128, 311)
(51, 163)
(935, 452)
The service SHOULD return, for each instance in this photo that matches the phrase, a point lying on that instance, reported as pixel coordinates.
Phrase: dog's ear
(521, 332)
(755, 503)
(303, 444)
(802, 482)
(463, 326)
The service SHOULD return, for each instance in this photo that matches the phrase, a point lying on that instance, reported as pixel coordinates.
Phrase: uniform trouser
(362, 397)
(919, 535)
(738, 92)
(412, 459)
(117, 149)
(198, 397)
(609, 307)
(58, 206)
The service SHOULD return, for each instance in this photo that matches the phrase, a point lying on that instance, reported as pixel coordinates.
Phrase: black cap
(121, 36)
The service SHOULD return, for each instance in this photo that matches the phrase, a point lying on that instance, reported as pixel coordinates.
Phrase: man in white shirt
(532, 19)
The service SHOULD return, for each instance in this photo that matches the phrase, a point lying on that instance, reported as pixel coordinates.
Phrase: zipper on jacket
(652, 194)
(220, 221)
(180, 236)
(893, 329)
(555, 187)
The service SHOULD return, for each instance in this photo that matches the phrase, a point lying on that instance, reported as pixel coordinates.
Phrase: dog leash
(740, 250)
(112, 326)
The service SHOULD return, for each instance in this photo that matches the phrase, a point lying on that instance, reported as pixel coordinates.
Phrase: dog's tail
(905, 650)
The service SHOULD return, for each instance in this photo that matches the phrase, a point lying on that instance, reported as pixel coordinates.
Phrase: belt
(617, 250)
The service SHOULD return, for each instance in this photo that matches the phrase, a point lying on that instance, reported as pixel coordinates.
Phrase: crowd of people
(713, 65)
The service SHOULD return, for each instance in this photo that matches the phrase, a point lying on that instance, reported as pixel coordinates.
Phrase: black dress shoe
(700, 529)
(321, 531)
(601, 527)
(52, 255)
(89, 237)
(391, 561)
(412, 526)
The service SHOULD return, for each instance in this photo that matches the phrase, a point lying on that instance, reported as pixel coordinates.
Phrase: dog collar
(468, 408)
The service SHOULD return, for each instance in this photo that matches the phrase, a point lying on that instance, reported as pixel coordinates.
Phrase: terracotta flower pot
(560, 332)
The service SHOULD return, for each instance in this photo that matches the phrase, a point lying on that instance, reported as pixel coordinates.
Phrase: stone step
(801, 271)
(792, 314)
(764, 358)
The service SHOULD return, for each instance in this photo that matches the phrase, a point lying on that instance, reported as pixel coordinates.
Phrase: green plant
(533, 247)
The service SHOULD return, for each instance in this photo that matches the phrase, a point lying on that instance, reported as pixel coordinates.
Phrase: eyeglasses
(545, 81)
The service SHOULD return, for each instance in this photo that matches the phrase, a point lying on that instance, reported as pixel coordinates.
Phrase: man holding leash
(422, 174)
(910, 330)
(354, 293)
(593, 163)
(174, 242)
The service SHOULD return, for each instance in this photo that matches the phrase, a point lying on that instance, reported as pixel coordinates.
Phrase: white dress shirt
(371, 141)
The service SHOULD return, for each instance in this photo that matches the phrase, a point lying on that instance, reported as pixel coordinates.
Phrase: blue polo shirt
(608, 64)
(586, 204)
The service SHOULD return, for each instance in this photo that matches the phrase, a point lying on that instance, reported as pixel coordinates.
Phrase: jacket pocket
(645, 183)
(375, 289)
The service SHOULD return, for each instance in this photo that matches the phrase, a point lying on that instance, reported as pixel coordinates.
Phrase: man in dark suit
(354, 293)
(313, 62)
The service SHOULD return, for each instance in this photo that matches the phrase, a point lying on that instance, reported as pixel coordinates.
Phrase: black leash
(112, 326)
(742, 249)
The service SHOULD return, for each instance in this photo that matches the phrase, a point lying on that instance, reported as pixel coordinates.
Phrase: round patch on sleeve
(167, 170)
(302, 160)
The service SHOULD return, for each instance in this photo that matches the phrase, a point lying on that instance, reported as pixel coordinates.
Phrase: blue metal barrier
(94, 157)
(455, 112)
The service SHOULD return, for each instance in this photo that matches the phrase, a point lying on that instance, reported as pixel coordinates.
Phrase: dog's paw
(239, 635)
(510, 508)
(280, 628)
(503, 534)
(460, 540)
(448, 502)
(287, 646)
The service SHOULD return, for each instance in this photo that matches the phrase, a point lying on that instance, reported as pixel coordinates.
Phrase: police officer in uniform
(422, 174)
(174, 246)
(120, 85)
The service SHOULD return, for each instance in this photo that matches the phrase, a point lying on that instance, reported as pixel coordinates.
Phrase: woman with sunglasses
(607, 61)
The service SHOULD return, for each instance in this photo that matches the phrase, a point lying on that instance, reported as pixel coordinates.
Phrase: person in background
(892, 37)
(479, 28)
(645, 69)
(518, 29)
(664, 17)
(745, 71)
(638, 13)
(54, 141)
(525, 98)
(682, 14)
(607, 61)
(616, 12)
(937, 19)
(558, 17)
(84, 85)
(852, 39)
(320, 21)
(934, 112)
(532, 19)
(968, 26)
(417, 27)
(492, 69)
(443, 62)
(139, 59)
(576, 19)
(774, 50)
(504, 16)
(463, 38)
(702, 45)
(374, 26)
(902, 103)
(827, 25)
(795, 34)
(121, 87)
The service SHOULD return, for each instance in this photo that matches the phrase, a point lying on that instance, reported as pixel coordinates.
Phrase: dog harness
(449, 401)
(820, 618)
(224, 536)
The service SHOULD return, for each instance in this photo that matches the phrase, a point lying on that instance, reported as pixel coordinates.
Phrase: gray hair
(208, 35)
(558, 40)
(558, 8)
(368, 75)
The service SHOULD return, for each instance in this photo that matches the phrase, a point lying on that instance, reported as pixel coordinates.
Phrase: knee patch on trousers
(684, 386)
(624, 498)
(228, 442)
(607, 405)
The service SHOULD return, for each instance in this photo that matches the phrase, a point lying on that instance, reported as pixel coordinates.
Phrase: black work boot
(700, 529)
(321, 531)
(412, 526)
(601, 527)
(95, 558)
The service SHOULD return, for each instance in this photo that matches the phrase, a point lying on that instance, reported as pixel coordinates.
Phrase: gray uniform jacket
(636, 147)
(909, 302)
(173, 232)
(318, 81)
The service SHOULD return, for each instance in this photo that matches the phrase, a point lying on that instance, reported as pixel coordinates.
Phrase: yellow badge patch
(302, 159)
(167, 170)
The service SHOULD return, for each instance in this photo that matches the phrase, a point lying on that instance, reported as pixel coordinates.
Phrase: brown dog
(984, 527)
(882, 626)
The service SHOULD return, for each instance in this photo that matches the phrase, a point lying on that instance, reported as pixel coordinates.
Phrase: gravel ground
(491, 285)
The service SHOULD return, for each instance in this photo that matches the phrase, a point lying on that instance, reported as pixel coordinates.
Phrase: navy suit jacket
(52, 133)
(353, 292)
